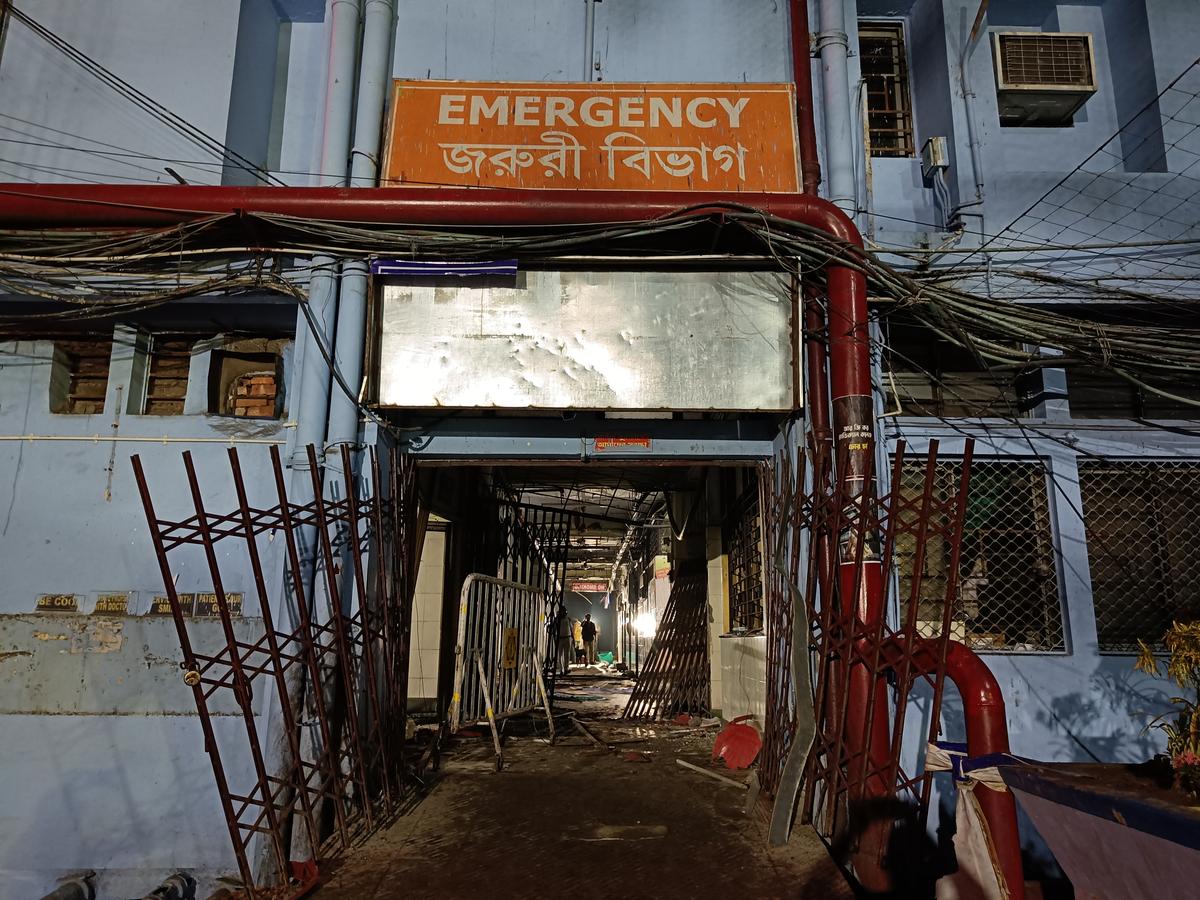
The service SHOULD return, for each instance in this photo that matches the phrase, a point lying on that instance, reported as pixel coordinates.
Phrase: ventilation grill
(1045, 60)
(1042, 79)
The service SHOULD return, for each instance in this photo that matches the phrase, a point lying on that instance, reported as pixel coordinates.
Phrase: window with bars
(884, 63)
(79, 376)
(167, 363)
(743, 539)
(1142, 520)
(1008, 595)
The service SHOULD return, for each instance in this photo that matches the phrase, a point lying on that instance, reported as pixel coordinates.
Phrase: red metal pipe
(99, 205)
(806, 126)
(987, 733)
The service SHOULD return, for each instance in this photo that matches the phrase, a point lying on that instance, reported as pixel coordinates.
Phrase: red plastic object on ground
(738, 744)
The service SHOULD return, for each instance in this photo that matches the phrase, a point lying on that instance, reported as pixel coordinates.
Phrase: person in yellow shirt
(577, 636)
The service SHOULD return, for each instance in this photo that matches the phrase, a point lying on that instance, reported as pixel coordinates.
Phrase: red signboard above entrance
(590, 587)
(605, 136)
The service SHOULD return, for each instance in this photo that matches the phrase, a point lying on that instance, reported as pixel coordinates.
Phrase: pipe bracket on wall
(831, 39)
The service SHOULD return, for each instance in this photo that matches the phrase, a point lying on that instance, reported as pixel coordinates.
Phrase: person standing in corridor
(566, 646)
(590, 632)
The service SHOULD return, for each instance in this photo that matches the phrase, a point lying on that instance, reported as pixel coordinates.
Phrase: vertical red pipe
(806, 126)
(853, 414)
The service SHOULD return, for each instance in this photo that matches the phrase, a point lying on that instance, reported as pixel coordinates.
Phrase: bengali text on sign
(696, 137)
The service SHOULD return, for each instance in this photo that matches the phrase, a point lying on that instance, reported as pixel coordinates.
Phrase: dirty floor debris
(579, 819)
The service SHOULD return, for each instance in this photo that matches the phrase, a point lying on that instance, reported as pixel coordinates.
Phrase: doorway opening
(651, 572)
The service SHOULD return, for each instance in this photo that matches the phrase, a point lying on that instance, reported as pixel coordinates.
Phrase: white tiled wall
(718, 612)
(427, 619)
(744, 677)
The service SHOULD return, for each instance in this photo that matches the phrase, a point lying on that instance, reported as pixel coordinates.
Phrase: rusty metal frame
(341, 672)
(843, 532)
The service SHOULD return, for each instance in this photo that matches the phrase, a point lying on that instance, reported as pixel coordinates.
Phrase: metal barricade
(502, 641)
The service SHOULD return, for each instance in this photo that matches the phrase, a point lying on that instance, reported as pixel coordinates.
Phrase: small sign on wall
(590, 587)
(207, 605)
(618, 444)
(161, 604)
(112, 605)
(57, 603)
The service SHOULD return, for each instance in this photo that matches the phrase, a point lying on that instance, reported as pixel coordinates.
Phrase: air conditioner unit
(1042, 78)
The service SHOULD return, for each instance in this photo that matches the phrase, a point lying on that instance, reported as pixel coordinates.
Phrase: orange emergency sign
(603, 136)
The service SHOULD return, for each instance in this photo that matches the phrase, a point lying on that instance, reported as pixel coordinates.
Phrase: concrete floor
(575, 820)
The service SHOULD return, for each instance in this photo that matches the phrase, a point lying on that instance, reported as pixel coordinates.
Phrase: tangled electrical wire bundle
(109, 272)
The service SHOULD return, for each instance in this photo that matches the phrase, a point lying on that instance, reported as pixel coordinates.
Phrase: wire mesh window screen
(1142, 520)
(745, 565)
(885, 77)
(1008, 595)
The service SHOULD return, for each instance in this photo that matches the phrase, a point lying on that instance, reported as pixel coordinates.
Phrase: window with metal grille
(167, 364)
(79, 376)
(1007, 595)
(744, 542)
(1142, 520)
(1045, 59)
(884, 65)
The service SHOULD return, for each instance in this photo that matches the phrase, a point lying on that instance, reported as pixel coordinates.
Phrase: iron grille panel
(745, 566)
(1142, 520)
(885, 78)
(1049, 59)
(1008, 594)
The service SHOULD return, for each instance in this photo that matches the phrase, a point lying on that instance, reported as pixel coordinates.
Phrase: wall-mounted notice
(601, 136)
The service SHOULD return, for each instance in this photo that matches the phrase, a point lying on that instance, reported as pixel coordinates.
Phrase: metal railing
(502, 640)
(820, 539)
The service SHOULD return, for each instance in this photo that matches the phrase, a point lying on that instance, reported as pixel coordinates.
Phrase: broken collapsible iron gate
(811, 531)
(675, 678)
(345, 776)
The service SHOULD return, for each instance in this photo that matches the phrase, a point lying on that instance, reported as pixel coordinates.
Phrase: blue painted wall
(103, 759)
